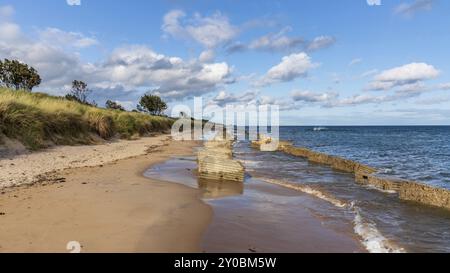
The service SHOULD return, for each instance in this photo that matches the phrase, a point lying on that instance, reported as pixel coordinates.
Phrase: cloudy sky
(324, 62)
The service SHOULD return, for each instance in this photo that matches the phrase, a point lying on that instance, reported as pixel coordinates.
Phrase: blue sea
(382, 221)
(278, 187)
(420, 153)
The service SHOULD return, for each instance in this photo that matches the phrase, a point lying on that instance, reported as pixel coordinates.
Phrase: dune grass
(39, 120)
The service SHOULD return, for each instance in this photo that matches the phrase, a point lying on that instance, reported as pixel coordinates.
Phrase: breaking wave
(308, 190)
(372, 239)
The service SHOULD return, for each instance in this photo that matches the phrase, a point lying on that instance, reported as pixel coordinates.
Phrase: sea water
(382, 221)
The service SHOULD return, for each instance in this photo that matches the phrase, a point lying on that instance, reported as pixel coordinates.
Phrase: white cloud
(290, 68)
(433, 100)
(444, 86)
(374, 2)
(276, 42)
(6, 12)
(409, 72)
(126, 70)
(209, 31)
(409, 9)
(402, 76)
(171, 77)
(171, 24)
(406, 82)
(415, 87)
(10, 32)
(224, 98)
(249, 98)
(332, 99)
(357, 100)
(369, 73)
(355, 62)
(53, 63)
(320, 43)
(73, 2)
(66, 39)
(281, 42)
(309, 96)
(207, 56)
(401, 94)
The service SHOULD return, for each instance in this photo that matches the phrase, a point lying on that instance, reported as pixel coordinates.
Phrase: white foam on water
(251, 163)
(387, 171)
(372, 238)
(308, 190)
(318, 129)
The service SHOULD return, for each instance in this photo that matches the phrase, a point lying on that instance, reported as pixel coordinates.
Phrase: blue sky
(324, 62)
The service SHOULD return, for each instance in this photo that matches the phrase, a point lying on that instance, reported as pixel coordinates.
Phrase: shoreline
(106, 208)
(114, 207)
(260, 217)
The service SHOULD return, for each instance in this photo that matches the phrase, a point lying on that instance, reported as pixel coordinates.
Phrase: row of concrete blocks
(407, 190)
(215, 162)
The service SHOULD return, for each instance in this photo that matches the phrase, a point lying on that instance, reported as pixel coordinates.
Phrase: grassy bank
(39, 120)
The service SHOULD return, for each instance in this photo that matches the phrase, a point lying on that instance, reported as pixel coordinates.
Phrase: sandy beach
(28, 168)
(107, 208)
(98, 196)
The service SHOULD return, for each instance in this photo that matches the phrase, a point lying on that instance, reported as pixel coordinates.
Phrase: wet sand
(107, 208)
(265, 223)
(259, 217)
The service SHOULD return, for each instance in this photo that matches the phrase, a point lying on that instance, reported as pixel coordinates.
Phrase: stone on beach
(215, 162)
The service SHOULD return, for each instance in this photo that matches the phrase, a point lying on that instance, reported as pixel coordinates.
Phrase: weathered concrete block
(413, 191)
(221, 169)
(218, 144)
(268, 144)
(284, 145)
(320, 158)
(343, 164)
(218, 153)
(362, 173)
(215, 162)
(385, 183)
(295, 151)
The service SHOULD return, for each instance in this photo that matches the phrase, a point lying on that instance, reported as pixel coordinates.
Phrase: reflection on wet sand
(184, 171)
(219, 189)
(261, 218)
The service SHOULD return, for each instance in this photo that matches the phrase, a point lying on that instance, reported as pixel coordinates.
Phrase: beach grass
(39, 120)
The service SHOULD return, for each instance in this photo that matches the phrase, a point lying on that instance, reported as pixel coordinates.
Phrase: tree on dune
(152, 104)
(79, 92)
(17, 75)
(114, 105)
